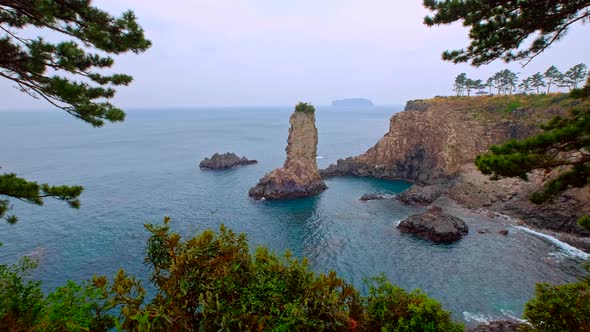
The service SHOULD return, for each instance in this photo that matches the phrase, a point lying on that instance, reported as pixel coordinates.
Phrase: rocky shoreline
(433, 143)
(509, 198)
(499, 326)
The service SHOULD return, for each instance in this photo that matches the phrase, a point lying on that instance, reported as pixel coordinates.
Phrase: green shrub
(21, 300)
(560, 307)
(212, 282)
(76, 308)
(304, 107)
(390, 308)
(584, 222)
(512, 106)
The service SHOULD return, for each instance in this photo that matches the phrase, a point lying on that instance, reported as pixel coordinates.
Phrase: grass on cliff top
(305, 108)
(508, 103)
(535, 108)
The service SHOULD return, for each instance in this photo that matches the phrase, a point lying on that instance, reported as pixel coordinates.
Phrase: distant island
(347, 102)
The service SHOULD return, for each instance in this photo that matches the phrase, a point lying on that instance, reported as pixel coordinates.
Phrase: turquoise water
(141, 170)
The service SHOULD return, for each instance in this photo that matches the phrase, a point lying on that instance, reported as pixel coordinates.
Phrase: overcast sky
(269, 52)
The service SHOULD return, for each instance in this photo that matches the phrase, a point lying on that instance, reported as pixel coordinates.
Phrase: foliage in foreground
(212, 282)
(560, 308)
(497, 29)
(68, 74)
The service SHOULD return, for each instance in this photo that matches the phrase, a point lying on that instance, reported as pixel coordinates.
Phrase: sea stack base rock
(299, 176)
(225, 161)
(434, 225)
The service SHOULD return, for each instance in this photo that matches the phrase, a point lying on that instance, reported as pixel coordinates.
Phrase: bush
(390, 308)
(304, 107)
(560, 308)
(212, 282)
(76, 307)
(21, 300)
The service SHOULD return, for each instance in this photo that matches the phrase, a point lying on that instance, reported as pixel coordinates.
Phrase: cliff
(299, 176)
(431, 139)
(435, 142)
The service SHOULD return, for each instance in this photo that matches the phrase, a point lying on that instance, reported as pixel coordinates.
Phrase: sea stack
(299, 176)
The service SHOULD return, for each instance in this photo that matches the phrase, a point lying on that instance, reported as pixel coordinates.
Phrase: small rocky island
(352, 102)
(434, 225)
(299, 176)
(225, 161)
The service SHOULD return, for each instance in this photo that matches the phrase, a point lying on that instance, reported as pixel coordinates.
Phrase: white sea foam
(319, 157)
(486, 319)
(564, 247)
(510, 314)
(479, 317)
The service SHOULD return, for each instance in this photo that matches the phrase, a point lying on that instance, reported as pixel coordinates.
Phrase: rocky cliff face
(299, 176)
(432, 139)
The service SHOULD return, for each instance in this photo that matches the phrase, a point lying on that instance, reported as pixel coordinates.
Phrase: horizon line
(134, 108)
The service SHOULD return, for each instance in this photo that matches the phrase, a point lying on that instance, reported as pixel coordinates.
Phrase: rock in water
(224, 161)
(420, 195)
(373, 197)
(299, 176)
(434, 225)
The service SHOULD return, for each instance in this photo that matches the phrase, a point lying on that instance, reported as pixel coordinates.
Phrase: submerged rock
(224, 161)
(299, 176)
(418, 195)
(375, 196)
(434, 225)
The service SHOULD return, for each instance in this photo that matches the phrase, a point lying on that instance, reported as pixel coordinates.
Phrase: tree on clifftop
(460, 84)
(538, 81)
(553, 75)
(65, 74)
(498, 28)
(575, 75)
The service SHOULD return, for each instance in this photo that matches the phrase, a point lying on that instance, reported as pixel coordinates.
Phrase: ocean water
(146, 168)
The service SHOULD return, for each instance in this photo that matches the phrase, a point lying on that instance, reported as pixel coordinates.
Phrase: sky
(270, 53)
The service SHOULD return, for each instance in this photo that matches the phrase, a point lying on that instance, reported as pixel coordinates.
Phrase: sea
(139, 171)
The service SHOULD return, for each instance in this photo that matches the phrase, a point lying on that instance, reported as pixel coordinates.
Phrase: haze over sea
(146, 168)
